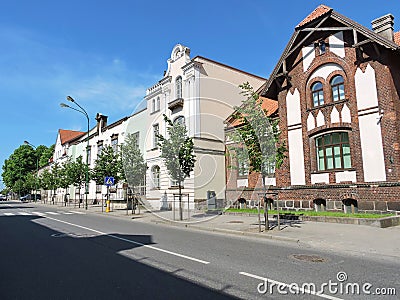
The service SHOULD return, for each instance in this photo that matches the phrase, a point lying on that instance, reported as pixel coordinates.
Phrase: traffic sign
(109, 181)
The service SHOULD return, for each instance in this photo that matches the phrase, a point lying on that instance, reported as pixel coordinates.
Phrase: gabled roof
(315, 22)
(397, 38)
(271, 106)
(318, 12)
(68, 135)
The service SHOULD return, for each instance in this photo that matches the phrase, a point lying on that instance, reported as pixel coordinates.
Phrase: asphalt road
(54, 253)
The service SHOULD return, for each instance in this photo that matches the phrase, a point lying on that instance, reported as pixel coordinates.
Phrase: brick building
(337, 85)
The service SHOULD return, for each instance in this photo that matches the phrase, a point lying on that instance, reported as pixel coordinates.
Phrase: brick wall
(370, 196)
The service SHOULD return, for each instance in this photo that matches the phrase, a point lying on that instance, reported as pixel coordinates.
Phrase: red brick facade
(290, 75)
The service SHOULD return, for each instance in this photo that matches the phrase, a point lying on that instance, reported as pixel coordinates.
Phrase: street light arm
(63, 105)
(82, 111)
(29, 144)
(69, 98)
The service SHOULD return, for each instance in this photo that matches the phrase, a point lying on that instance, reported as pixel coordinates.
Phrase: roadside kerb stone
(228, 231)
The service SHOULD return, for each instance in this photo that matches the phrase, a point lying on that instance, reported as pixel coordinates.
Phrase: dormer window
(320, 47)
(317, 94)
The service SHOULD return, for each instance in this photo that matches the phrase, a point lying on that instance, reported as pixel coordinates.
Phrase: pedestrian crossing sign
(109, 181)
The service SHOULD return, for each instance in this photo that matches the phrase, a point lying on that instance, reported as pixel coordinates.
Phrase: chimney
(101, 122)
(384, 26)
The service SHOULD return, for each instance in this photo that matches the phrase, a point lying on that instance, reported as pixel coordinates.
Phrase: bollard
(108, 206)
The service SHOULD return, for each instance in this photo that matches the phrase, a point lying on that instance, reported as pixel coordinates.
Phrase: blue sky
(105, 53)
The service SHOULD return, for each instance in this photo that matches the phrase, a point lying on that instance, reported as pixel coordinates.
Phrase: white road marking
(38, 213)
(287, 286)
(68, 213)
(134, 242)
(9, 214)
(52, 213)
(23, 213)
(78, 212)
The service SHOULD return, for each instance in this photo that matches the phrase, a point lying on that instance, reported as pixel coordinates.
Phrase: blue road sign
(109, 181)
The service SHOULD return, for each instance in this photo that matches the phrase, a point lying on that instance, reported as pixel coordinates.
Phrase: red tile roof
(271, 106)
(67, 135)
(319, 11)
(397, 38)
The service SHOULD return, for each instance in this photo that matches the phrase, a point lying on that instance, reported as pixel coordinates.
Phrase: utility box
(211, 200)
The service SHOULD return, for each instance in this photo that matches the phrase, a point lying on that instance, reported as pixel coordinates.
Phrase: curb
(230, 231)
(194, 227)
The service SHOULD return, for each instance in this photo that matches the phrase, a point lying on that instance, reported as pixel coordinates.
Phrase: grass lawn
(312, 213)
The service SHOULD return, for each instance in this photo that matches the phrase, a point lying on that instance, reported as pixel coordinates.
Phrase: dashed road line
(134, 242)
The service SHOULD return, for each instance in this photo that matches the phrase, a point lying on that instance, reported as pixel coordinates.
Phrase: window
(317, 93)
(337, 86)
(333, 151)
(242, 162)
(174, 183)
(153, 105)
(319, 204)
(114, 142)
(135, 137)
(178, 85)
(270, 167)
(89, 154)
(155, 173)
(99, 147)
(320, 47)
(158, 104)
(179, 120)
(156, 131)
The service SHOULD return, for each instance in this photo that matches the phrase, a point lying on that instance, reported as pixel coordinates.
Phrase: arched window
(155, 174)
(333, 151)
(178, 86)
(337, 86)
(317, 93)
(179, 120)
(319, 204)
(350, 206)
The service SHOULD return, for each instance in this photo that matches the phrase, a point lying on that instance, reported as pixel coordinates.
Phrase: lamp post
(37, 168)
(82, 111)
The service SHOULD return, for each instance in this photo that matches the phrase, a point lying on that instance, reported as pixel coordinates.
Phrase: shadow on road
(37, 262)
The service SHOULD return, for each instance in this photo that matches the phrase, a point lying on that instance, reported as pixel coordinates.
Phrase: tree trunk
(265, 204)
(127, 199)
(180, 201)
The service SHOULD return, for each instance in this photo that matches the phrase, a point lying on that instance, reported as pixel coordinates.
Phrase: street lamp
(37, 168)
(82, 111)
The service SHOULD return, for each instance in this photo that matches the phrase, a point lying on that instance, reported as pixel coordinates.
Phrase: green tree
(20, 163)
(178, 155)
(77, 172)
(133, 162)
(50, 179)
(108, 164)
(30, 182)
(65, 178)
(45, 154)
(259, 137)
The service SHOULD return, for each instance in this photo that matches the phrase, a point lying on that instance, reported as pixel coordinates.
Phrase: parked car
(30, 197)
(3, 197)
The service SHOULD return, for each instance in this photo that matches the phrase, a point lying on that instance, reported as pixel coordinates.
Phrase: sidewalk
(354, 239)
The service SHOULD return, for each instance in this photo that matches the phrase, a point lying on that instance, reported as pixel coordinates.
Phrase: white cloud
(48, 70)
